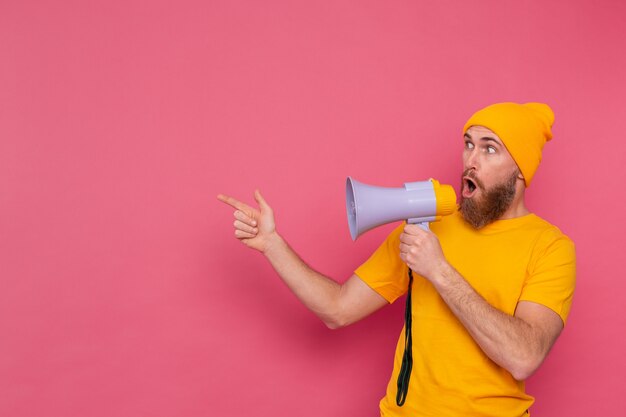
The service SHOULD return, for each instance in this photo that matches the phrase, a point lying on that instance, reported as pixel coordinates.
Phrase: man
(493, 283)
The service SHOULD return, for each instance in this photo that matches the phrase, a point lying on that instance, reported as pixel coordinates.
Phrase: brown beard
(491, 206)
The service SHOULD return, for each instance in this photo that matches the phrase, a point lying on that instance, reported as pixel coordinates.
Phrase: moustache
(470, 173)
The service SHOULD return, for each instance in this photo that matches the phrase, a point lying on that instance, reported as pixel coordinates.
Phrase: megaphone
(419, 202)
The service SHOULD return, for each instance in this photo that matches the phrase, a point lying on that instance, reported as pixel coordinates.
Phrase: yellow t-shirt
(507, 261)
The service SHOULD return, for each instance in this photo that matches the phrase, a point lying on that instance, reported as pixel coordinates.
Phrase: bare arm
(518, 343)
(337, 305)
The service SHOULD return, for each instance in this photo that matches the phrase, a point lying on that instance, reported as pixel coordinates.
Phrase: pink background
(123, 292)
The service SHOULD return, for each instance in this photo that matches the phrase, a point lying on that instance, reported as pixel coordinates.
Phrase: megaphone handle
(423, 222)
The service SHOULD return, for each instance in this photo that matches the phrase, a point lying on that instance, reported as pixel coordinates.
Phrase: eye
(469, 145)
(491, 149)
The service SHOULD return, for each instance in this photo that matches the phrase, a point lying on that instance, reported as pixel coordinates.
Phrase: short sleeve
(384, 271)
(552, 274)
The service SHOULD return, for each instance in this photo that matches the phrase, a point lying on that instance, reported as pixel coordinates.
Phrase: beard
(493, 203)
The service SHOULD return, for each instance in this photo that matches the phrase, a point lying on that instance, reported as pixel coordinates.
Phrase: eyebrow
(484, 138)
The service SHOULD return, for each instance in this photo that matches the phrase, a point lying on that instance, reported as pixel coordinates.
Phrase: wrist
(444, 275)
(273, 242)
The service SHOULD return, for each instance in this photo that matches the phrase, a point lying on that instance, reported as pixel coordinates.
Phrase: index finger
(413, 229)
(233, 202)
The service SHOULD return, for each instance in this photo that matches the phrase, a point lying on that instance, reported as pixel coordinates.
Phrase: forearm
(509, 341)
(317, 292)
(336, 304)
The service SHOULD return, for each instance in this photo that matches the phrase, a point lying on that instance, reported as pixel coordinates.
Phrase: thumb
(262, 203)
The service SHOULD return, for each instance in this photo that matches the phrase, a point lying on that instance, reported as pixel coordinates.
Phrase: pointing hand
(253, 227)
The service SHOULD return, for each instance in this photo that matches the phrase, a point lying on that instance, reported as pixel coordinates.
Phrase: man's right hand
(255, 228)
(336, 304)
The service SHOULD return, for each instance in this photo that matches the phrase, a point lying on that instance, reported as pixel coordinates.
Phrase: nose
(470, 160)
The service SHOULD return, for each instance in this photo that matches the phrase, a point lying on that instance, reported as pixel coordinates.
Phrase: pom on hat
(523, 128)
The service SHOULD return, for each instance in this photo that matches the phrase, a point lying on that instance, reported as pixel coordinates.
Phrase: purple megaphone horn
(420, 202)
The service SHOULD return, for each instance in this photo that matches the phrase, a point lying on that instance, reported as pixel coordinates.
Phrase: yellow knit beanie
(523, 128)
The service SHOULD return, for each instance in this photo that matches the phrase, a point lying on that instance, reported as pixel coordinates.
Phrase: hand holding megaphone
(418, 202)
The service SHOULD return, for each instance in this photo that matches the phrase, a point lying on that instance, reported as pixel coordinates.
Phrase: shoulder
(551, 273)
(549, 235)
(552, 249)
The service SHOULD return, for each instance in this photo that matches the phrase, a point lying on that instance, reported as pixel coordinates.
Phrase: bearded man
(492, 283)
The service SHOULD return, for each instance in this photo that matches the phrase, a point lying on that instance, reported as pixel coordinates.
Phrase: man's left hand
(421, 251)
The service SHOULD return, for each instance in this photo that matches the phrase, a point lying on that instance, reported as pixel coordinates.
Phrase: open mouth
(469, 187)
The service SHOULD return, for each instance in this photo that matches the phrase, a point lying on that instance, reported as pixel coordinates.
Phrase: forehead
(481, 132)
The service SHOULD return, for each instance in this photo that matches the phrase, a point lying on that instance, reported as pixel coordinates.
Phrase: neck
(518, 205)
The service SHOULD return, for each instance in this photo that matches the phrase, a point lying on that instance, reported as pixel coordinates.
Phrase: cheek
(506, 162)
(496, 169)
